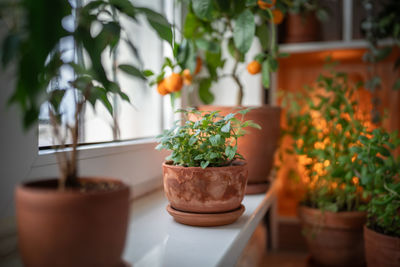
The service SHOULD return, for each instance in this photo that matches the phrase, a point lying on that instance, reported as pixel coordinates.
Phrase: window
(146, 115)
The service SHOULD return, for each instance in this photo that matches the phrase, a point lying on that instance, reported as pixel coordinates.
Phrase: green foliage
(33, 43)
(379, 172)
(204, 139)
(324, 127)
(212, 26)
(304, 7)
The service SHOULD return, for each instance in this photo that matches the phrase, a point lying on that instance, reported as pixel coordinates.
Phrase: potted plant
(211, 27)
(378, 171)
(205, 177)
(73, 220)
(324, 125)
(303, 21)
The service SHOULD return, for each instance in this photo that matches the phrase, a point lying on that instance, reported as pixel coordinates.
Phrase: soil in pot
(75, 227)
(334, 238)
(257, 146)
(213, 190)
(381, 250)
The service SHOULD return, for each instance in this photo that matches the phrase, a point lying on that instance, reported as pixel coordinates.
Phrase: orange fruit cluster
(254, 67)
(174, 82)
(277, 15)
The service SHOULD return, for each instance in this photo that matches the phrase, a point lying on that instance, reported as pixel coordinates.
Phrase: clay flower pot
(209, 191)
(334, 238)
(301, 29)
(71, 228)
(381, 250)
(257, 146)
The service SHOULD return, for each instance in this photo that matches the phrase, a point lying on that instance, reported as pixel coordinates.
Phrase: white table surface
(155, 239)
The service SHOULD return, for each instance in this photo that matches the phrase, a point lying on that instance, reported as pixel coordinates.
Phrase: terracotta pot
(71, 228)
(209, 190)
(334, 238)
(381, 250)
(300, 28)
(257, 146)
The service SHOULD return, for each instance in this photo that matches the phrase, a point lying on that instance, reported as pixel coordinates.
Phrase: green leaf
(158, 23)
(244, 30)
(190, 26)
(148, 73)
(204, 91)
(204, 164)
(192, 140)
(230, 152)
(265, 73)
(203, 9)
(226, 128)
(132, 70)
(215, 139)
(124, 96)
(210, 46)
(254, 125)
(396, 85)
(273, 64)
(364, 140)
(235, 53)
(262, 32)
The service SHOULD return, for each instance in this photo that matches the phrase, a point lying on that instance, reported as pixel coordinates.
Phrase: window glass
(144, 116)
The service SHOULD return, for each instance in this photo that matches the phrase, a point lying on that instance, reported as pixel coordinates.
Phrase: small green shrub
(379, 171)
(324, 126)
(202, 139)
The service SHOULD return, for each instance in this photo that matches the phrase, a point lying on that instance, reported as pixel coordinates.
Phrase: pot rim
(383, 236)
(315, 210)
(242, 106)
(27, 187)
(241, 164)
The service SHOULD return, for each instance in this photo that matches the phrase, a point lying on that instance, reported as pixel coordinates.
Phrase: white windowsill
(155, 239)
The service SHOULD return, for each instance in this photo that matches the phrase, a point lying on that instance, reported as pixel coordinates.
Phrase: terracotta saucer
(252, 189)
(205, 219)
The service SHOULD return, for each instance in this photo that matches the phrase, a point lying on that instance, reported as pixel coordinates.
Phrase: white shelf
(155, 239)
(321, 46)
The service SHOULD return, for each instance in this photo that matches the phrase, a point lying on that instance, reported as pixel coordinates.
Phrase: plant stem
(234, 74)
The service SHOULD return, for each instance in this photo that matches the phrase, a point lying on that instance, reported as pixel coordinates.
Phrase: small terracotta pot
(381, 250)
(334, 238)
(209, 190)
(302, 28)
(71, 228)
(257, 146)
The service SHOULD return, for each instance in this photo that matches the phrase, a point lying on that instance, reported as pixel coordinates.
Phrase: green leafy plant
(305, 7)
(212, 26)
(35, 32)
(379, 172)
(205, 138)
(324, 125)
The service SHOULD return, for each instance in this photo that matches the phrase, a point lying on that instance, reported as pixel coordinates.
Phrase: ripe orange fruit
(199, 64)
(187, 77)
(174, 82)
(254, 67)
(265, 5)
(162, 90)
(277, 16)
